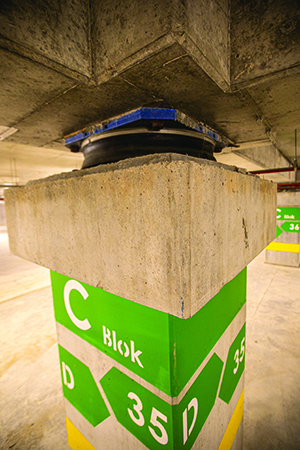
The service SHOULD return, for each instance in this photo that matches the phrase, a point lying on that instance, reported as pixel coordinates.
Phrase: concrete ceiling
(232, 65)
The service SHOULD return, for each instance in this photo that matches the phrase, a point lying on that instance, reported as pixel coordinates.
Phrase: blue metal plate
(140, 114)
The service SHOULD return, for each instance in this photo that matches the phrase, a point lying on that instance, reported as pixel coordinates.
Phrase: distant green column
(285, 249)
(164, 379)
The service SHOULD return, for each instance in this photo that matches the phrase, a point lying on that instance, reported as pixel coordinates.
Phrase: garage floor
(272, 413)
(31, 403)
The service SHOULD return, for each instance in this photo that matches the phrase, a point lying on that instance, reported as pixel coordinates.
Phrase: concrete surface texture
(32, 415)
(222, 62)
(167, 231)
(272, 358)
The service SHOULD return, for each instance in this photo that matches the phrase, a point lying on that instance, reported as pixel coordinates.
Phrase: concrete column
(285, 249)
(148, 264)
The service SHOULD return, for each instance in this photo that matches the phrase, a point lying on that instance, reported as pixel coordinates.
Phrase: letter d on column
(70, 384)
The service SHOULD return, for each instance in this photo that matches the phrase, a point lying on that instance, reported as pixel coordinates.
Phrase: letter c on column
(69, 286)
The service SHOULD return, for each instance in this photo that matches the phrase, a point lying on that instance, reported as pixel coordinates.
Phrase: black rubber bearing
(117, 147)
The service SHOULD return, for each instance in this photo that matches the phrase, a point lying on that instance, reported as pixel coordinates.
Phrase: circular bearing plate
(128, 143)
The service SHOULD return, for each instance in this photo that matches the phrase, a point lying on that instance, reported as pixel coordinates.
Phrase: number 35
(239, 356)
(139, 419)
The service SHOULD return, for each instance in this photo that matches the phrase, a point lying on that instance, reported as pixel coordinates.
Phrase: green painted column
(285, 249)
(163, 380)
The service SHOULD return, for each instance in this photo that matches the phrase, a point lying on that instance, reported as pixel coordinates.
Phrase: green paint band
(80, 388)
(162, 349)
(288, 213)
(234, 368)
(155, 422)
(174, 355)
(291, 227)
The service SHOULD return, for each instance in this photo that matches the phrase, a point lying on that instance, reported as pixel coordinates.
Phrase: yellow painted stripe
(283, 247)
(233, 425)
(76, 439)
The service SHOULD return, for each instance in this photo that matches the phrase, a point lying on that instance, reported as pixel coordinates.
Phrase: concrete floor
(31, 403)
(272, 413)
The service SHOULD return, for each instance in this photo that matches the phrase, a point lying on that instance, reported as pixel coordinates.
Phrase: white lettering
(185, 427)
(119, 347)
(66, 369)
(120, 342)
(155, 414)
(126, 354)
(187, 432)
(135, 355)
(137, 408)
(106, 336)
(70, 286)
(110, 339)
(114, 341)
(286, 216)
(138, 418)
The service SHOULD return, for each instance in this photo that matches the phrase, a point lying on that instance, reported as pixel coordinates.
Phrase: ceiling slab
(121, 29)
(181, 83)
(265, 37)
(77, 108)
(26, 87)
(279, 101)
(233, 65)
(55, 29)
(278, 98)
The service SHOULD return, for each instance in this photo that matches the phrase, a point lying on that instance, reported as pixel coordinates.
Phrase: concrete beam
(94, 41)
(258, 155)
(263, 153)
(167, 231)
(125, 34)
